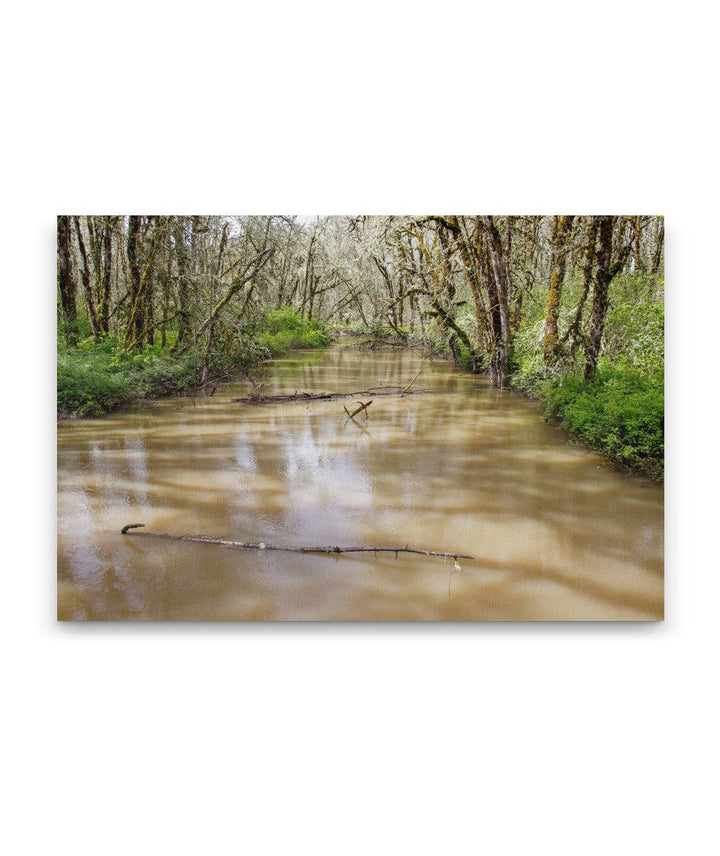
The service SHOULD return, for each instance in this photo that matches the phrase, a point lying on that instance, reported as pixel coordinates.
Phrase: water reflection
(558, 533)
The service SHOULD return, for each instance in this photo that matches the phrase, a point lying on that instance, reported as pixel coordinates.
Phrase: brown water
(558, 534)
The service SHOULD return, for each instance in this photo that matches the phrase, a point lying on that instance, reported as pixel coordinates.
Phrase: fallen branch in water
(325, 396)
(246, 545)
(406, 391)
(358, 409)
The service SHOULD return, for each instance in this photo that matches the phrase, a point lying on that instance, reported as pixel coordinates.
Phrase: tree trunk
(308, 284)
(148, 295)
(165, 283)
(104, 317)
(574, 329)
(658, 255)
(248, 274)
(603, 276)
(392, 315)
(181, 254)
(470, 251)
(501, 275)
(558, 256)
(85, 274)
(637, 257)
(66, 281)
(134, 331)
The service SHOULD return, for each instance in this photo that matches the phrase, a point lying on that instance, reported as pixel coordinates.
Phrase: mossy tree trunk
(610, 261)
(106, 274)
(85, 275)
(148, 296)
(470, 252)
(308, 283)
(500, 266)
(603, 276)
(588, 268)
(183, 285)
(134, 331)
(659, 252)
(562, 226)
(66, 280)
(637, 252)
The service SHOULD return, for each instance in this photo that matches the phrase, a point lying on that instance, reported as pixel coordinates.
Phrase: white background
(357, 739)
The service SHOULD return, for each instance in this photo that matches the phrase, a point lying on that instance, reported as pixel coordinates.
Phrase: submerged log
(326, 396)
(261, 545)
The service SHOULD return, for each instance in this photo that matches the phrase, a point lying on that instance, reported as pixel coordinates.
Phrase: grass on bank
(94, 379)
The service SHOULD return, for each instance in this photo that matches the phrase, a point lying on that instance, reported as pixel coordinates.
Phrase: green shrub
(620, 412)
(528, 372)
(95, 378)
(436, 337)
(91, 382)
(163, 376)
(280, 330)
(235, 355)
(87, 384)
(635, 324)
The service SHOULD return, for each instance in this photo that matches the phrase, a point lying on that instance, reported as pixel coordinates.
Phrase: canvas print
(360, 418)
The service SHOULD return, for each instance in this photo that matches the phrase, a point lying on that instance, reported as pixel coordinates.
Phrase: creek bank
(94, 379)
(619, 413)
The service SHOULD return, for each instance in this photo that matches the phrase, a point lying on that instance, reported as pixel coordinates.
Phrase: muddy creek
(557, 533)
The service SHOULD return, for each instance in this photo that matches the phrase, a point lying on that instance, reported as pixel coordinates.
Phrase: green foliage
(436, 337)
(162, 376)
(527, 365)
(95, 378)
(528, 374)
(381, 331)
(236, 354)
(88, 385)
(620, 412)
(465, 360)
(283, 329)
(635, 324)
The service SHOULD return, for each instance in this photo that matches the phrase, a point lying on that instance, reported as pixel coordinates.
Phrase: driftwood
(327, 396)
(247, 545)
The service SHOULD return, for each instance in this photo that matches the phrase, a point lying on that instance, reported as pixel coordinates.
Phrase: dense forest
(568, 309)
